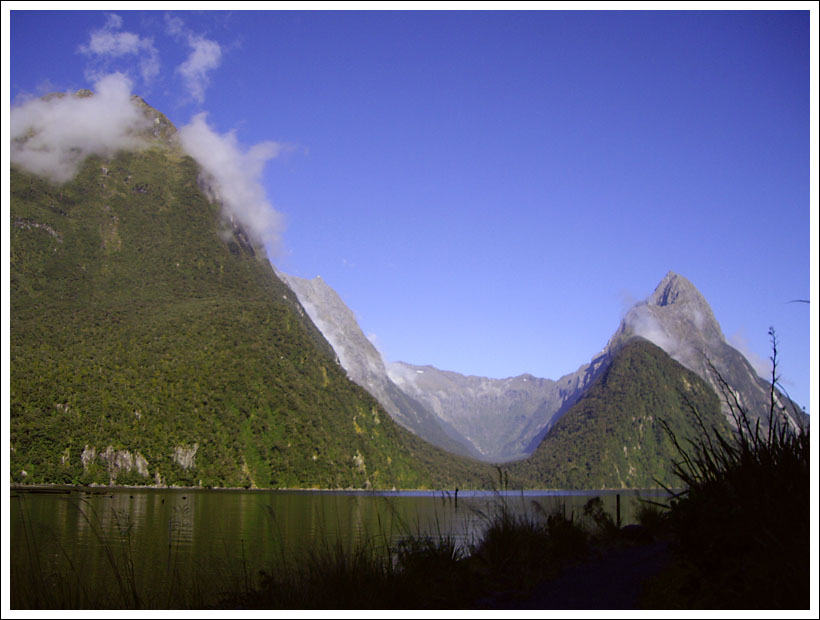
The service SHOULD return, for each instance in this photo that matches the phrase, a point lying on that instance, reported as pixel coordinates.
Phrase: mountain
(600, 427)
(678, 319)
(151, 342)
(364, 364)
(666, 368)
(495, 420)
(614, 437)
(500, 417)
(506, 419)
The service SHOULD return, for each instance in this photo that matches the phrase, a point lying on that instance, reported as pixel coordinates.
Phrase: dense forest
(151, 343)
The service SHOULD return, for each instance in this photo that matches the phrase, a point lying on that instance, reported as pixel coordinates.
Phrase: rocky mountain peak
(675, 289)
(675, 317)
(159, 127)
(155, 126)
(678, 319)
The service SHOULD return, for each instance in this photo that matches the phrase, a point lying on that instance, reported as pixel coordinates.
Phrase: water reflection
(180, 519)
(218, 537)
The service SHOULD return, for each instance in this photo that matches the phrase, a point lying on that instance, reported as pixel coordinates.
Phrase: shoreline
(68, 488)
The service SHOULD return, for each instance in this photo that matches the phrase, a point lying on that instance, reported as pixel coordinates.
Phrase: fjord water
(199, 544)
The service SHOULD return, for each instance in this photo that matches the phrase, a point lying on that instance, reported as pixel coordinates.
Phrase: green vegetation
(419, 569)
(425, 571)
(40, 583)
(151, 343)
(614, 436)
(740, 530)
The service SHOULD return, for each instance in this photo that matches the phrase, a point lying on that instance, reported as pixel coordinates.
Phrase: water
(196, 544)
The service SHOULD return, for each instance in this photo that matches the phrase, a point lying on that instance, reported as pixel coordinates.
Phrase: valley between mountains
(152, 343)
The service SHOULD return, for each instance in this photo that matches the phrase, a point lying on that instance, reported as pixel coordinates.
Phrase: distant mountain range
(153, 343)
(364, 364)
(506, 419)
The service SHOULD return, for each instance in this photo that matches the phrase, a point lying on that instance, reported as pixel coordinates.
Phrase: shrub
(518, 550)
(741, 527)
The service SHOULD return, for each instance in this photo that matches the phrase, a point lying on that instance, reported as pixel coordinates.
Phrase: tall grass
(40, 585)
(519, 550)
(513, 551)
(503, 554)
(422, 570)
(741, 527)
(50, 575)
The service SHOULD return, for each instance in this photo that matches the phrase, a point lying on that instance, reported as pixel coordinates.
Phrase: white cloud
(233, 177)
(205, 56)
(52, 137)
(108, 44)
(113, 22)
(174, 25)
(402, 376)
(645, 325)
(761, 366)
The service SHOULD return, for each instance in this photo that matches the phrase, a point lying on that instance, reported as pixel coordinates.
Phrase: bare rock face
(364, 365)
(116, 461)
(159, 127)
(88, 456)
(678, 319)
(505, 419)
(185, 457)
(495, 420)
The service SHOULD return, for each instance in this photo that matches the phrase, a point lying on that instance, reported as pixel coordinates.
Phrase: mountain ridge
(363, 363)
(152, 343)
(506, 419)
(678, 319)
(617, 435)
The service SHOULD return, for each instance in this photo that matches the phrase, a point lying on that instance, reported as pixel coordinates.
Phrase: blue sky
(490, 191)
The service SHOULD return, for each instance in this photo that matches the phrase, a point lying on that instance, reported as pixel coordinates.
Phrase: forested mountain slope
(151, 342)
(614, 437)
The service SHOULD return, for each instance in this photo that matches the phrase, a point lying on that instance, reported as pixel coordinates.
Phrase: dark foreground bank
(736, 538)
